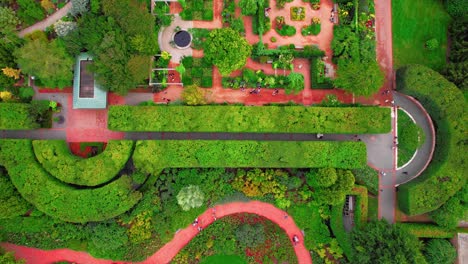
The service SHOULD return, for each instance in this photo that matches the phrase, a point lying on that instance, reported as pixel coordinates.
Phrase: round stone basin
(182, 39)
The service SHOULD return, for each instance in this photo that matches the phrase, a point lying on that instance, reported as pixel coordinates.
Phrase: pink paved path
(182, 238)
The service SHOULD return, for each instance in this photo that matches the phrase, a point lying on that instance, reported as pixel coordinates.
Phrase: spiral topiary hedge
(60, 200)
(56, 158)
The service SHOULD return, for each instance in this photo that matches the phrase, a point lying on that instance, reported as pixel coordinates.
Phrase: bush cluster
(427, 230)
(59, 200)
(56, 159)
(241, 154)
(447, 172)
(19, 116)
(271, 119)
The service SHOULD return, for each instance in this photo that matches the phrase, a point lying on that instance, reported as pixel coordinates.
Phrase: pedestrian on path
(214, 213)
(199, 229)
(295, 240)
(195, 222)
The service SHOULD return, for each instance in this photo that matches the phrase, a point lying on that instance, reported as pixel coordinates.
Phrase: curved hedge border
(58, 199)
(447, 172)
(152, 156)
(273, 119)
(56, 158)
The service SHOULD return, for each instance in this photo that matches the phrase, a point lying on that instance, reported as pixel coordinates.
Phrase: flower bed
(313, 29)
(284, 29)
(297, 13)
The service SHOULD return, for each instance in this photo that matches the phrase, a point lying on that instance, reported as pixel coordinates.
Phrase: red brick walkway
(182, 238)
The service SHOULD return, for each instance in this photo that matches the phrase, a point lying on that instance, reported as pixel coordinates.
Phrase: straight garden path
(181, 238)
(49, 21)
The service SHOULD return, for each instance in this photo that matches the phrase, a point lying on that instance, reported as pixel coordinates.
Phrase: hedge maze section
(266, 119)
(60, 200)
(56, 159)
(151, 156)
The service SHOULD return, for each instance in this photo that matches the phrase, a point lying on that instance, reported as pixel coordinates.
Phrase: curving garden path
(181, 238)
(42, 25)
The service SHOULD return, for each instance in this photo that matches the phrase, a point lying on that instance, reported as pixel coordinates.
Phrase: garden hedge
(16, 116)
(56, 158)
(272, 119)
(337, 227)
(361, 206)
(60, 200)
(446, 173)
(151, 156)
(427, 230)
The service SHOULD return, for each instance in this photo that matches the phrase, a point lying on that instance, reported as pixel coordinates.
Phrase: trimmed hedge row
(337, 227)
(447, 172)
(59, 200)
(427, 230)
(17, 116)
(152, 156)
(56, 158)
(361, 206)
(273, 119)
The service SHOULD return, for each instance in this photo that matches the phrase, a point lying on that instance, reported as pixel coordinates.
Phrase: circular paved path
(424, 154)
(182, 238)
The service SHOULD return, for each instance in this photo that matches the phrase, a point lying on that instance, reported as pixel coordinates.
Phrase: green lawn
(415, 22)
(410, 138)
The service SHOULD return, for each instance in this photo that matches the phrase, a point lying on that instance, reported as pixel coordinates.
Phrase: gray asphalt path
(424, 153)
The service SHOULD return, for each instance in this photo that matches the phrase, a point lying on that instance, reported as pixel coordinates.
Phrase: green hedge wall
(152, 156)
(427, 230)
(56, 158)
(274, 119)
(16, 116)
(337, 227)
(59, 200)
(447, 172)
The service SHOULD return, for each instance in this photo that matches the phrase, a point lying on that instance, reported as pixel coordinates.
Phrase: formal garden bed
(22, 116)
(197, 10)
(313, 29)
(198, 71)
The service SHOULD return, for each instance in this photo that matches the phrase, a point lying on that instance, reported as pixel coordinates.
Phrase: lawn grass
(415, 22)
(410, 138)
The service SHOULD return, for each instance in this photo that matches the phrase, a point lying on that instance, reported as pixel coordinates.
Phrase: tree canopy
(380, 242)
(49, 61)
(440, 251)
(330, 185)
(359, 78)
(248, 7)
(227, 50)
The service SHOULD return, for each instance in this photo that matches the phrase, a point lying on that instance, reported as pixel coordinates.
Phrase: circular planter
(182, 39)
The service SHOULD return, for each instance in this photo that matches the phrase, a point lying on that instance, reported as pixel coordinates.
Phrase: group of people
(196, 221)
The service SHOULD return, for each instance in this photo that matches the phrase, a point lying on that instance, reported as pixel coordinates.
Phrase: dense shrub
(17, 116)
(286, 30)
(447, 172)
(250, 235)
(30, 11)
(60, 200)
(276, 154)
(56, 158)
(368, 177)
(456, 8)
(380, 242)
(330, 185)
(190, 197)
(337, 227)
(440, 251)
(273, 119)
(427, 230)
(454, 210)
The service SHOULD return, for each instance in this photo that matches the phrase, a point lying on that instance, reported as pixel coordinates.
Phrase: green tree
(190, 197)
(440, 251)
(323, 177)
(345, 43)
(227, 50)
(456, 8)
(79, 7)
(8, 20)
(359, 78)
(30, 11)
(330, 185)
(248, 7)
(380, 242)
(193, 95)
(107, 240)
(48, 61)
(9, 258)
